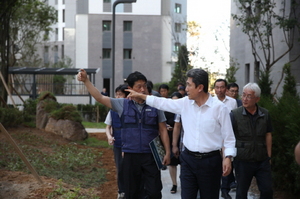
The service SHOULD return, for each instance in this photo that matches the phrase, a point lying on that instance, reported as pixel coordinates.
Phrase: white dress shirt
(206, 128)
(229, 102)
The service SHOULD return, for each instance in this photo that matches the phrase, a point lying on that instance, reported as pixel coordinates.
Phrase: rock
(41, 115)
(68, 129)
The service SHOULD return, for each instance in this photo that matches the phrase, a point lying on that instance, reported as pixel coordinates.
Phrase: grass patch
(75, 164)
(99, 125)
(94, 142)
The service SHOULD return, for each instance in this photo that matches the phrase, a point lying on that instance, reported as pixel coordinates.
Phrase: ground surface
(19, 185)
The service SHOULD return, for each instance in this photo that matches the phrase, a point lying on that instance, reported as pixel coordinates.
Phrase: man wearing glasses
(252, 128)
(233, 91)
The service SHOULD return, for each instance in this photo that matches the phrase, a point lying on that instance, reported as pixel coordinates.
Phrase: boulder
(41, 115)
(68, 129)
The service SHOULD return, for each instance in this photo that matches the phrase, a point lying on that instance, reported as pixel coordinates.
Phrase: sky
(214, 19)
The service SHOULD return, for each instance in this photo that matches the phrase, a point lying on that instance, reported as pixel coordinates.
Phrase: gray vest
(250, 136)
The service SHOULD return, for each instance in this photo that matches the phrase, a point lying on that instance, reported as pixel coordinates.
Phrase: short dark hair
(135, 76)
(164, 86)
(149, 82)
(149, 87)
(232, 85)
(221, 80)
(199, 76)
(177, 94)
(122, 88)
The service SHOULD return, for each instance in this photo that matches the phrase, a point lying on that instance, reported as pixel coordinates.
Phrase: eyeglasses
(248, 97)
(234, 91)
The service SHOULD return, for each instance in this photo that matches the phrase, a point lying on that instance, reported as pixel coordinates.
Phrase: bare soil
(20, 185)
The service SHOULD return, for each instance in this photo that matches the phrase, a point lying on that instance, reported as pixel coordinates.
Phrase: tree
(230, 72)
(181, 67)
(22, 24)
(260, 20)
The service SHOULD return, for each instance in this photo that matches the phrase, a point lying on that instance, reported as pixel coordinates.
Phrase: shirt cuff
(230, 152)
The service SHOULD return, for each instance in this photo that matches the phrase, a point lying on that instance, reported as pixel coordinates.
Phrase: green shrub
(10, 117)
(67, 112)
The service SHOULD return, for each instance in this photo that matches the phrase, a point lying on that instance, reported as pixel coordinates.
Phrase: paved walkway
(166, 179)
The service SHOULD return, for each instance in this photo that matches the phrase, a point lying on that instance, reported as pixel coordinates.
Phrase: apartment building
(148, 34)
(241, 52)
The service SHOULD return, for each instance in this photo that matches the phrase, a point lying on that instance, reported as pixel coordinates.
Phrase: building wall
(241, 52)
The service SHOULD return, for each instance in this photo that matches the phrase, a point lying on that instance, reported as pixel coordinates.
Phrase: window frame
(104, 23)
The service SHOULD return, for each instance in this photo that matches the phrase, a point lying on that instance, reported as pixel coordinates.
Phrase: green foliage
(67, 112)
(230, 72)
(289, 87)
(94, 142)
(100, 125)
(181, 67)
(10, 117)
(265, 83)
(46, 95)
(285, 119)
(59, 82)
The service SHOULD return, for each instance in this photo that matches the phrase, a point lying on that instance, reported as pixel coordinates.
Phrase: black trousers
(142, 177)
(202, 175)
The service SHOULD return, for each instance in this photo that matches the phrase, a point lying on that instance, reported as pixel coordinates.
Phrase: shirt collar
(209, 101)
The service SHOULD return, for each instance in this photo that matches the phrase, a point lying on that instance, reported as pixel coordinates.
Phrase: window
(127, 26)
(63, 34)
(177, 27)
(247, 73)
(63, 15)
(56, 34)
(177, 8)
(62, 51)
(106, 1)
(46, 55)
(106, 25)
(176, 47)
(127, 53)
(55, 54)
(106, 53)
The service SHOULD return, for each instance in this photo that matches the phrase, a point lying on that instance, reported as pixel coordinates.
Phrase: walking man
(207, 128)
(252, 128)
(140, 124)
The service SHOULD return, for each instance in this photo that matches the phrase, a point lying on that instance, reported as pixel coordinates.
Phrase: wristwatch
(230, 157)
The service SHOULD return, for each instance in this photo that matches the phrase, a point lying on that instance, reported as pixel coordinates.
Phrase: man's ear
(200, 88)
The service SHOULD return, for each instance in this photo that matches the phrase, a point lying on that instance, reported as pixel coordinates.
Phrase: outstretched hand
(136, 95)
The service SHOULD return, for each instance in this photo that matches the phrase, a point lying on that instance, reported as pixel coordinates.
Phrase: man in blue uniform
(140, 125)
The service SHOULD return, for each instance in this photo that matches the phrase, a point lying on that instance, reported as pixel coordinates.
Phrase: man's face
(249, 99)
(164, 92)
(140, 86)
(220, 89)
(233, 92)
(120, 94)
(191, 90)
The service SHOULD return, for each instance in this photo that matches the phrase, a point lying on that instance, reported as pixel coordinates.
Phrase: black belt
(203, 155)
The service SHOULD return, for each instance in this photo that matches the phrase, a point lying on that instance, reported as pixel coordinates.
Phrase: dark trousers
(202, 175)
(119, 164)
(245, 171)
(141, 168)
(227, 180)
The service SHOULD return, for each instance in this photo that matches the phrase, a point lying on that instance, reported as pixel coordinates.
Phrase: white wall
(81, 39)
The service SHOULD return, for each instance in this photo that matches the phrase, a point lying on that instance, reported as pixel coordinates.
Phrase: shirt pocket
(129, 117)
(151, 117)
(208, 125)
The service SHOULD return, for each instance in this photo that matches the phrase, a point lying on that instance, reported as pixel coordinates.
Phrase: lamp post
(114, 37)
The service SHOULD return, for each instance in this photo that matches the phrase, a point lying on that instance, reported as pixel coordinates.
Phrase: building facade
(241, 52)
(148, 35)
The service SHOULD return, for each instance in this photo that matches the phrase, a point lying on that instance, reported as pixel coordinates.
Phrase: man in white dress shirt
(220, 87)
(207, 128)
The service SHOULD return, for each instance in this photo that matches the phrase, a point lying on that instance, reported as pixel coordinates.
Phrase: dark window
(106, 25)
(63, 15)
(106, 1)
(127, 53)
(106, 53)
(128, 26)
(177, 27)
(176, 47)
(177, 8)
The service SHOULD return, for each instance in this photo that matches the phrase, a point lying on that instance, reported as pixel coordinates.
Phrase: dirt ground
(19, 185)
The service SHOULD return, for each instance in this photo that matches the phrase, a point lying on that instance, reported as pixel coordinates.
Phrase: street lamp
(114, 36)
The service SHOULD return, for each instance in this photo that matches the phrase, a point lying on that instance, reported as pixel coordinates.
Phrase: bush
(10, 117)
(67, 112)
